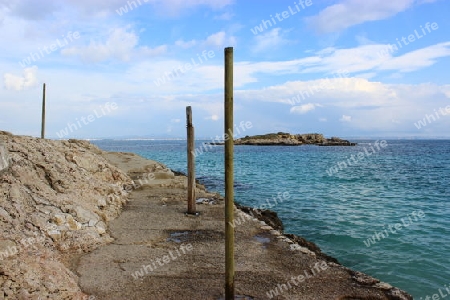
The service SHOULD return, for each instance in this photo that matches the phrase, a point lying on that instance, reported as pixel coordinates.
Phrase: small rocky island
(287, 139)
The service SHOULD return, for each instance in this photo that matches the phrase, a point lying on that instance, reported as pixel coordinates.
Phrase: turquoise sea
(385, 212)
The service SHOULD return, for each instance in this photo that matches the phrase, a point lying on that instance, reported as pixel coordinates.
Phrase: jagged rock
(4, 158)
(85, 216)
(55, 234)
(5, 215)
(7, 248)
(101, 227)
(267, 216)
(14, 193)
(86, 162)
(39, 220)
(101, 202)
(59, 194)
(59, 220)
(72, 223)
(166, 174)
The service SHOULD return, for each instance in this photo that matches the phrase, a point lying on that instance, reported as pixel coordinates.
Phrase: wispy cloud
(220, 39)
(303, 109)
(270, 40)
(348, 13)
(417, 59)
(345, 118)
(119, 44)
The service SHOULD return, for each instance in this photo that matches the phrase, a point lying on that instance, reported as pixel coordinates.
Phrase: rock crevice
(4, 158)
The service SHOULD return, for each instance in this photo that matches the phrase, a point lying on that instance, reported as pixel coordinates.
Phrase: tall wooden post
(191, 162)
(229, 188)
(43, 113)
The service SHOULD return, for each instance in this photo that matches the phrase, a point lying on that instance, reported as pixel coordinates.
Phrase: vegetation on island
(287, 139)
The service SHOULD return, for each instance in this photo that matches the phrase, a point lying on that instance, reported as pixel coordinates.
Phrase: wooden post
(229, 188)
(43, 113)
(191, 162)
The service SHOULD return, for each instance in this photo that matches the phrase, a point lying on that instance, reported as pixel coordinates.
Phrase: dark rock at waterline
(335, 141)
(178, 173)
(271, 219)
(268, 216)
(312, 247)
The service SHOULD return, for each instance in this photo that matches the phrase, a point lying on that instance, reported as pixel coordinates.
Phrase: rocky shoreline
(271, 218)
(287, 139)
(61, 200)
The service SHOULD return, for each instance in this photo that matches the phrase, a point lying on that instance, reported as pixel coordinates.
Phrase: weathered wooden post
(229, 188)
(191, 161)
(43, 113)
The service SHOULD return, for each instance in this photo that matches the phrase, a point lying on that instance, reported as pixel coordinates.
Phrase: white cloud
(270, 40)
(217, 40)
(323, 120)
(364, 40)
(417, 59)
(119, 44)
(213, 118)
(345, 118)
(366, 75)
(303, 109)
(343, 92)
(2, 17)
(33, 9)
(220, 39)
(29, 79)
(375, 58)
(347, 13)
(225, 16)
(245, 71)
(202, 77)
(187, 44)
(29, 9)
(147, 51)
(177, 7)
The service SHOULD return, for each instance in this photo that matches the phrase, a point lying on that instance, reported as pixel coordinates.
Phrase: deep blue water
(339, 212)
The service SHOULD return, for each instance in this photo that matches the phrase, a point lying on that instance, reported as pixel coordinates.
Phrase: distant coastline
(287, 139)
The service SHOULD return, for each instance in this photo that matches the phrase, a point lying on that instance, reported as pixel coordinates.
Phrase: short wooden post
(43, 113)
(191, 162)
(229, 189)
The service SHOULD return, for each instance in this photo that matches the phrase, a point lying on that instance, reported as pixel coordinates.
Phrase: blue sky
(116, 68)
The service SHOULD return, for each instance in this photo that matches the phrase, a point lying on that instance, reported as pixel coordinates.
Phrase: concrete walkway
(159, 253)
